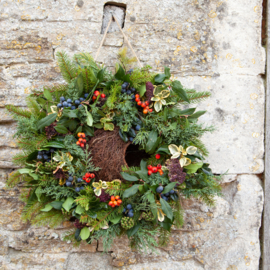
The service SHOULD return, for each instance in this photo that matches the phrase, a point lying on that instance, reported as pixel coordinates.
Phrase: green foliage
(14, 179)
(115, 92)
(52, 219)
(125, 61)
(18, 112)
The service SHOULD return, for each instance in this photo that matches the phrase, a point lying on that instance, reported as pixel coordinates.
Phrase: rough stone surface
(209, 45)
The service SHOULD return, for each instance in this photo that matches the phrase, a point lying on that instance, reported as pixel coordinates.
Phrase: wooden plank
(266, 217)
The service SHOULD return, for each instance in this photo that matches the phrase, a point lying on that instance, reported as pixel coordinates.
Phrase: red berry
(96, 93)
(159, 166)
(112, 198)
(92, 175)
(154, 170)
(103, 95)
(88, 180)
(110, 203)
(94, 97)
(150, 172)
(150, 167)
(157, 156)
(117, 197)
(119, 202)
(81, 140)
(150, 110)
(145, 111)
(87, 174)
(81, 145)
(78, 143)
(139, 103)
(115, 203)
(137, 99)
(83, 135)
(143, 105)
(146, 102)
(137, 96)
(84, 178)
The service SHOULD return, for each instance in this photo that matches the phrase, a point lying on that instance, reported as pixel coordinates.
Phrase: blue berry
(81, 188)
(69, 105)
(130, 214)
(124, 85)
(123, 90)
(167, 194)
(68, 184)
(138, 127)
(45, 157)
(172, 191)
(80, 105)
(166, 199)
(39, 156)
(82, 99)
(129, 206)
(132, 90)
(70, 179)
(47, 152)
(131, 139)
(86, 95)
(124, 210)
(128, 92)
(130, 211)
(69, 101)
(40, 153)
(59, 105)
(62, 99)
(79, 180)
(130, 71)
(132, 96)
(159, 189)
(65, 104)
(48, 160)
(52, 150)
(77, 189)
(77, 102)
(73, 107)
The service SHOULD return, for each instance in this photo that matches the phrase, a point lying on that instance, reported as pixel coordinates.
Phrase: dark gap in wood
(264, 22)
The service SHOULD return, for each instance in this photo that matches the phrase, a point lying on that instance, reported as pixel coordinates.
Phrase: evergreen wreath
(114, 154)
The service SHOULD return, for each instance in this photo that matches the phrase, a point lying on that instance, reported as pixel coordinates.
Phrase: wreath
(112, 153)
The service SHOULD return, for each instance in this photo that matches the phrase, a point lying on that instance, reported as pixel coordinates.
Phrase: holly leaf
(131, 191)
(166, 208)
(160, 78)
(121, 75)
(178, 88)
(129, 177)
(46, 121)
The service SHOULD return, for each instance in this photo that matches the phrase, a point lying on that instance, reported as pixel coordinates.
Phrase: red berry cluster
(144, 105)
(154, 169)
(88, 177)
(81, 141)
(96, 94)
(115, 201)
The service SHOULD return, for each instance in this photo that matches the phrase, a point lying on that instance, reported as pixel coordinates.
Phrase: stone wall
(209, 45)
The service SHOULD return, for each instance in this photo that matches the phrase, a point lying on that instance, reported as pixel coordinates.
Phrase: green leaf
(79, 84)
(85, 233)
(72, 114)
(152, 139)
(54, 144)
(160, 78)
(166, 208)
(167, 73)
(98, 125)
(131, 191)
(77, 234)
(196, 115)
(61, 129)
(25, 170)
(109, 126)
(133, 230)
(166, 224)
(116, 220)
(187, 111)
(129, 177)
(47, 94)
(142, 90)
(192, 168)
(47, 208)
(79, 210)
(121, 75)
(169, 187)
(46, 121)
(100, 75)
(163, 150)
(56, 205)
(89, 117)
(177, 87)
(72, 124)
(88, 131)
(68, 203)
(32, 156)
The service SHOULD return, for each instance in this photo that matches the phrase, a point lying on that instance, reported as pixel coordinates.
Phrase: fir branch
(195, 97)
(52, 219)
(33, 106)
(66, 66)
(16, 111)
(14, 179)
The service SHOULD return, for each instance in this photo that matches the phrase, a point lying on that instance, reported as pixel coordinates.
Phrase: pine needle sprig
(17, 111)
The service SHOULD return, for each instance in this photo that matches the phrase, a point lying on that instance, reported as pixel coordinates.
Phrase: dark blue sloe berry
(129, 206)
(82, 99)
(167, 194)
(81, 188)
(128, 92)
(131, 139)
(130, 211)
(138, 127)
(52, 150)
(172, 191)
(62, 99)
(69, 105)
(79, 180)
(70, 179)
(69, 101)
(39, 156)
(124, 210)
(65, 104)
(159, 189)
(86, 95)
(124, 85)
(40, 153)
(80, 105)
(130, 214)
(132, 89)
(132, 96)
(165, 198)
(77, 102)
(45, 157)
(77, 189)
(59, 105)
(123, 90)
(68, 184)
(73, 108)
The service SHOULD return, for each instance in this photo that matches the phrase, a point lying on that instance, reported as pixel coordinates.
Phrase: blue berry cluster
(167, 195)
(70, 184)
(128, 211)
(45, 155)
(72, 104)
(126, 89)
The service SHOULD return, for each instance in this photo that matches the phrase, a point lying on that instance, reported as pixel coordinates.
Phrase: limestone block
(5, 116)
(3, 245)
(236, 109)
(92, 261)
(6, 155)
(6, 135)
